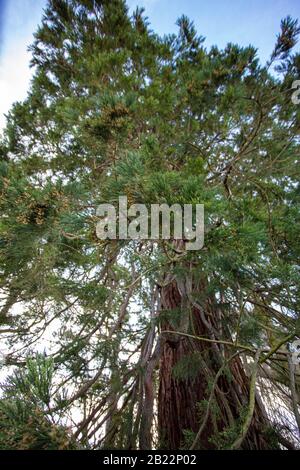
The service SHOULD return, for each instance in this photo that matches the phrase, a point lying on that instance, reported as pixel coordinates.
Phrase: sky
(244, 22)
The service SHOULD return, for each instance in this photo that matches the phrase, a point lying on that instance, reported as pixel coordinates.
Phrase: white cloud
(14, 80)
(20, 21)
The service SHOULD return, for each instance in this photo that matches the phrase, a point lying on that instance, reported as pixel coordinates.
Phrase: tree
(24, 424)
(114, 109)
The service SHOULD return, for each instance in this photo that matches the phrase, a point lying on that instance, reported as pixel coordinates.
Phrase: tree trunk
(183, 401)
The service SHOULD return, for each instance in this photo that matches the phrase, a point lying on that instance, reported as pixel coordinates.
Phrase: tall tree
(113, 109)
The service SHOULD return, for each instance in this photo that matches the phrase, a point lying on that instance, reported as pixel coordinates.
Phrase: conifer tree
(148, 341)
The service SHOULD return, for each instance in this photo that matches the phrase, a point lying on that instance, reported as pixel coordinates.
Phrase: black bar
(135, 459)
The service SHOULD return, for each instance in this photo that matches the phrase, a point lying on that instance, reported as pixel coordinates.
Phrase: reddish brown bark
(178, 402)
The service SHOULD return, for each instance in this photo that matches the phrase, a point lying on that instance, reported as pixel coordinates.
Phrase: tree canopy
(103, 338)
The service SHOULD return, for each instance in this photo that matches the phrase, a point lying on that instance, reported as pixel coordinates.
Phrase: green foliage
(188, 440)
(114, 109)
(225, 438)
(250, 331)
(25, 429)
(188, 367)
(34, 383)
(24, 422)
